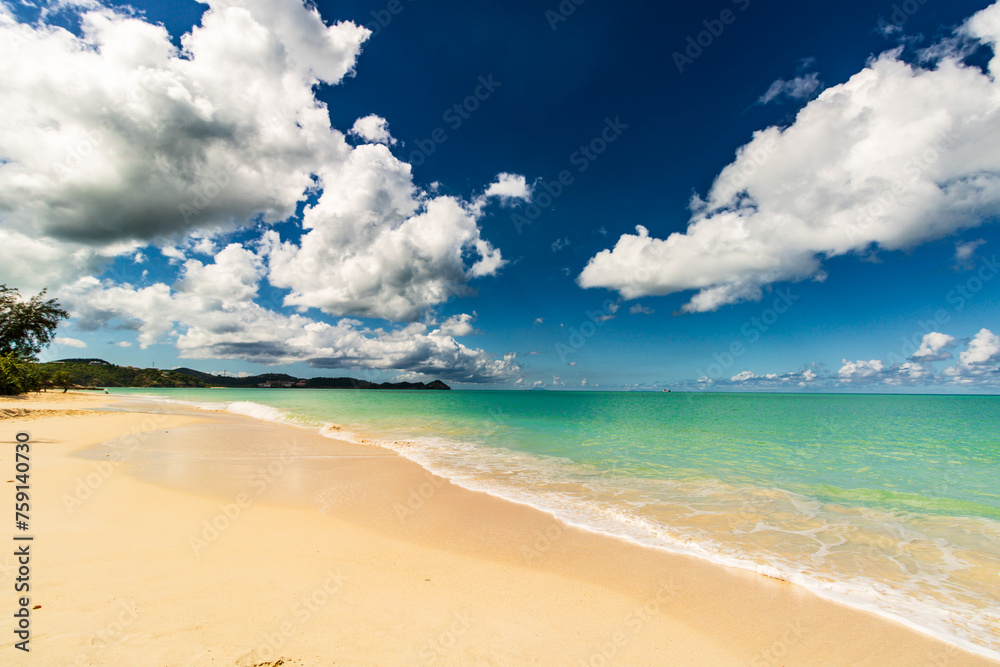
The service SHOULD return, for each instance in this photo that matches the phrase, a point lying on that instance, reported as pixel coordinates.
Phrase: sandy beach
(189, 538)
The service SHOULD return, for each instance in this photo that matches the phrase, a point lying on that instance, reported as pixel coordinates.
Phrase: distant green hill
(101, 373)
(228, 381)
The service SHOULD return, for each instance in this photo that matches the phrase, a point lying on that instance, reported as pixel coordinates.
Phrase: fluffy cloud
(798, 379)
(876, 372)
(979, 363)
(116, 139)
(978, 366)
(509, 187)
(896, 156)
(457, 325)
(160, 142)
(793, 380)
(209, 313)
(932, 347)
(858, 373)
(145, 139)
(374, 129)
(377, 246)
(860, 370)
(116, 136)
(984, 348)
(233, 275)
(34, 262)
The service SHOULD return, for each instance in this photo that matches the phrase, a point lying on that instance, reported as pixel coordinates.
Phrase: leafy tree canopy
(26, 326)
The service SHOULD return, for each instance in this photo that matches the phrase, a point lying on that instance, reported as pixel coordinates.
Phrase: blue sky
(479, 110)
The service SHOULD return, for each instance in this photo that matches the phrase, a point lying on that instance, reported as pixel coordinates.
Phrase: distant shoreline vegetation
(101, 373)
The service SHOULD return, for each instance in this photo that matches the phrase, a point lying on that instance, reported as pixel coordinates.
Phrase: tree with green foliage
(62, 379)
(26, 326)
(18, 376)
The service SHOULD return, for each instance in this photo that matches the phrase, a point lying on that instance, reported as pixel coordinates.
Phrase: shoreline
(579, 597)
(920, 619)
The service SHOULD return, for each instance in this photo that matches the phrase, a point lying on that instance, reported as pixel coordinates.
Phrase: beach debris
(27, 413)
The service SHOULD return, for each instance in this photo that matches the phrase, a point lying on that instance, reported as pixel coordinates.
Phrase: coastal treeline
(98, 372)
(101, 373)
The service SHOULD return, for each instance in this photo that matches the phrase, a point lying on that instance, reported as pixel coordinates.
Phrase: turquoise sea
(884, 502)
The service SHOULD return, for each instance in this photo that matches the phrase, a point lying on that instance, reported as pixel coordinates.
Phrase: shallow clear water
(888, 503)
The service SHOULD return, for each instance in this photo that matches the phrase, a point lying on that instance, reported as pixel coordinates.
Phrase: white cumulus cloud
(979, 362)
(457, 325)
(378, 246)
(860, 370)
(978, 366)
(152, 143)
(147, 139)
(896, 156)
(984, 348)
(509, 187)
(209, 313)
(932, 347)
(116, 139)
(374, 129)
